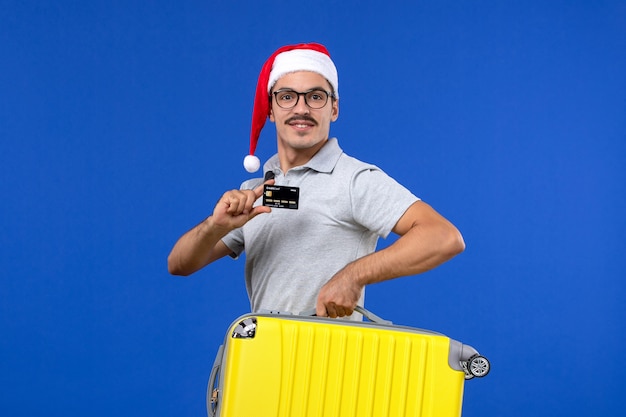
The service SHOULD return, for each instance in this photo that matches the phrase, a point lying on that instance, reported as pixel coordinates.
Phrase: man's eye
(316, 96)
(285, 97)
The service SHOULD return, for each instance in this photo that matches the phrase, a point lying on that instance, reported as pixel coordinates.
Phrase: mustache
(302, 118)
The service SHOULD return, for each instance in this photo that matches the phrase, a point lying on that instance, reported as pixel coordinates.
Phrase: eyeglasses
(314, 98)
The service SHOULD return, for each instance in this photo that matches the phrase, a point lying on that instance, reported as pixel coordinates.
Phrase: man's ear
(271, 116)
(335, 110)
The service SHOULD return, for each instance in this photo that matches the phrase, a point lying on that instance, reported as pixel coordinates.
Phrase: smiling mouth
(301, 122)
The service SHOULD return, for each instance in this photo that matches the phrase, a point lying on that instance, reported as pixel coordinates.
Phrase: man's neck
(291, 158)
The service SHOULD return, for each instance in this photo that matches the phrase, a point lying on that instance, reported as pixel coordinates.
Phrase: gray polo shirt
(344, 206)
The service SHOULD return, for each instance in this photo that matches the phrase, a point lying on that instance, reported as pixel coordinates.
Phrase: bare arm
(426, 240)
(202, 245)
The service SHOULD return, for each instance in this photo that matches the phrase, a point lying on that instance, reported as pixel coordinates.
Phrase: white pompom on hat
(312, 57)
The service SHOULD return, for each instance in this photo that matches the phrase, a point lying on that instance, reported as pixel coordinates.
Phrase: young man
(320, 252)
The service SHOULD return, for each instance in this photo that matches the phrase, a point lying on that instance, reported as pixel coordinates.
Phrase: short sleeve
(378, 201)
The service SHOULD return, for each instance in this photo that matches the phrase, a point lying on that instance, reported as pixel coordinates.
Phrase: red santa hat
(291, 58)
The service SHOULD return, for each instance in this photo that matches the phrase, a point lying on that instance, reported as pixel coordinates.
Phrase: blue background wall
(122, 122)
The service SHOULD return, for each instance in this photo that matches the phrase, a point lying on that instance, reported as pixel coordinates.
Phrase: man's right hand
(235, 208)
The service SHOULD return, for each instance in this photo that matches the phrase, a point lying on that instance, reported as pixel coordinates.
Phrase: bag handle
(359, 309)
(212, 393)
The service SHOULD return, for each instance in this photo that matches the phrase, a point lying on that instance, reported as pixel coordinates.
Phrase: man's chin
(303, 143)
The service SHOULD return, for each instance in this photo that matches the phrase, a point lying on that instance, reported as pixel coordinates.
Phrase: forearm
(196, 248)
(421, 248)
(202, 245)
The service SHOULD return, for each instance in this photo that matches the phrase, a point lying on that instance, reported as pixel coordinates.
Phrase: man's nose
(301, 107)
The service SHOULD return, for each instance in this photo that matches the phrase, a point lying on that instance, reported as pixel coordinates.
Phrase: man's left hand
(339, 296)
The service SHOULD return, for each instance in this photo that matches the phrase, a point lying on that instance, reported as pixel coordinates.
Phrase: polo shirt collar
(323, 161)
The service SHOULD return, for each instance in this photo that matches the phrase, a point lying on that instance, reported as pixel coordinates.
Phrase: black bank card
(278, 196)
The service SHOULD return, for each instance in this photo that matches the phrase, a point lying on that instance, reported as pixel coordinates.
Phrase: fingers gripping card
(278, 196)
